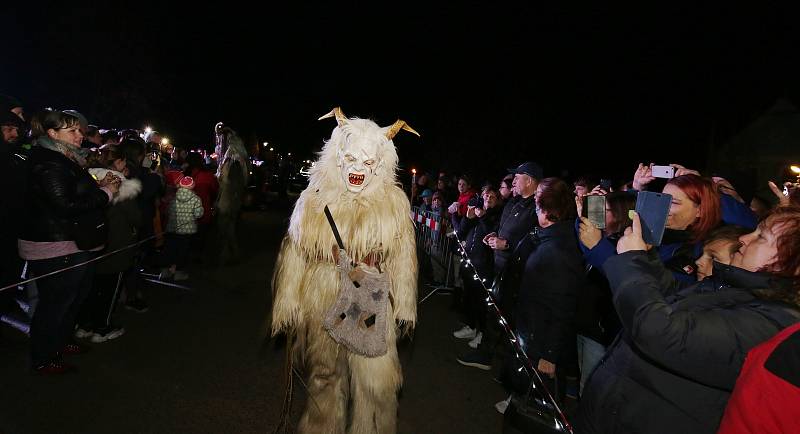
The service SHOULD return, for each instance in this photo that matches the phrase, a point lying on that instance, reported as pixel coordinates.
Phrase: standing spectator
(93, 139)
(767, 393)
(184, 210)
(124, 218)
(681, 351)
(140, 166)
(517, 220)
(426, 196)
(206, 187)
(13, 161)
(552, 277)
(506, 188)
(465, 193)
(484, 215)
(596, 320)
(10, 104)
(61, 193)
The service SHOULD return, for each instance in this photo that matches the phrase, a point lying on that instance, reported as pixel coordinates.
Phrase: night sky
(488, 85)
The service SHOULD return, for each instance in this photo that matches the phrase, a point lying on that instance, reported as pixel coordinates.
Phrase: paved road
(200, 362)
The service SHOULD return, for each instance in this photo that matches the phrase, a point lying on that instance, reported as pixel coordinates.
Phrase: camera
(475, 201)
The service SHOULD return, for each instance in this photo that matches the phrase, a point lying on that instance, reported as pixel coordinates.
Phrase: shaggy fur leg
(326, 408)
(373, 386)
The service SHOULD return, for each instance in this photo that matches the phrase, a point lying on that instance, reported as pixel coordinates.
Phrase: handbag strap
(338, 237)
(333, 227)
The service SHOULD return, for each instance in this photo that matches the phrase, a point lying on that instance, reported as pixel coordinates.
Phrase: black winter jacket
(518, 219)
(675, 363)
(59, 190)
(480, 254)
(552, 277)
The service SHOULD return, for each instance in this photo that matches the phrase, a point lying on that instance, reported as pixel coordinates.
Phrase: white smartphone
(667, 172)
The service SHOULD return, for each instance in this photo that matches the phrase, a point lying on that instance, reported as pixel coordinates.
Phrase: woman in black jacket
(553, 274)
(61, 194)
(674, 365)
(483, 216)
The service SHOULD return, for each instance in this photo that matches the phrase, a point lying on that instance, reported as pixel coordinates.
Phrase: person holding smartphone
(696, 209)
(681, 350)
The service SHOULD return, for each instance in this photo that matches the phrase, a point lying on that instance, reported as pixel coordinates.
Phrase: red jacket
(762, 400)
(205, 186)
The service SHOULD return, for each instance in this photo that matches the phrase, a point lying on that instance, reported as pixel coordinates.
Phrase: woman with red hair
(697, 208)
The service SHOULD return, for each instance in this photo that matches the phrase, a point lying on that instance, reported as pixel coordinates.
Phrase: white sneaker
(503, 405)
(476, 341)
(465, 332)
(165, 274)
(82, 333)
(107, 334)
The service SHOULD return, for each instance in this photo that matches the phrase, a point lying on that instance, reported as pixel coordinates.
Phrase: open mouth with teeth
(355, 179)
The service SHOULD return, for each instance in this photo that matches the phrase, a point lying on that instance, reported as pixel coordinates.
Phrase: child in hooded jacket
(184, 210)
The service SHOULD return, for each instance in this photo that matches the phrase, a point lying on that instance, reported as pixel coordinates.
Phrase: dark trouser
(99, 305)
(176, 250)
(10, 270)
(60, 299)
(474, 300)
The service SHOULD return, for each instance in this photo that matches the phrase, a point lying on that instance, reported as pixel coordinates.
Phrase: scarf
(78, 155)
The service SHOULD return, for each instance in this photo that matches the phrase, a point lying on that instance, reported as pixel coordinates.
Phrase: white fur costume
(355, 177)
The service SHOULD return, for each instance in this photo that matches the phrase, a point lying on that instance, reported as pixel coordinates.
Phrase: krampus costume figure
(232, 174)
(342, 308)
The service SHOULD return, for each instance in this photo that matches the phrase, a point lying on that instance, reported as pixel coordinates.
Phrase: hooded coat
(184, 211)
(124, 218)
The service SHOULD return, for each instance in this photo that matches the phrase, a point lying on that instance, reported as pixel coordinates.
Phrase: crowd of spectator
(99, 209)
(635, 337)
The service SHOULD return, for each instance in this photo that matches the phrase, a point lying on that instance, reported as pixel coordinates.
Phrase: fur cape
(376, 220)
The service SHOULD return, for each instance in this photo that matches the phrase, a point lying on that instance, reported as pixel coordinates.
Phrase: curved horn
(341, 119)
(397, 126)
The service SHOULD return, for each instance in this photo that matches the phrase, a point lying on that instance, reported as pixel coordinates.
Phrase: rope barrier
(103, 256)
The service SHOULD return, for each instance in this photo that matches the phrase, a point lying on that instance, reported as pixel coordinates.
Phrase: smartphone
(605, 184)
(653, 209)
(667, 172)
(594, 208)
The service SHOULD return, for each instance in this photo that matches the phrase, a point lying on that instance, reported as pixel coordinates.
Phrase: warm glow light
(265, 144)
(414, 171)
(271, 149)
(795, 169)
(148, 130)
(165, 141)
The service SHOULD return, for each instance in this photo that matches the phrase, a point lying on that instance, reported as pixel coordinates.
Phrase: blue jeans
(589, 354)
(60, 299)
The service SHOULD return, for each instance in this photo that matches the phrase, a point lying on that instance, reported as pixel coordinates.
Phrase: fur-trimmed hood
(129, 189)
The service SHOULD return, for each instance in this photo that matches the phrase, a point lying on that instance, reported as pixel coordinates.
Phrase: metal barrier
(435, 238)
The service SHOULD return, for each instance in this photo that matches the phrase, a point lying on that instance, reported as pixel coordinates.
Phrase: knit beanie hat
(186, 182)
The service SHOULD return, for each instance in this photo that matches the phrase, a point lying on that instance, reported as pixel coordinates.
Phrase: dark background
(488, 84)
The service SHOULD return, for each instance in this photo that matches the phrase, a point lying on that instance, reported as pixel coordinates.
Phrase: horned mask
(360, 153)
